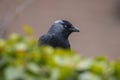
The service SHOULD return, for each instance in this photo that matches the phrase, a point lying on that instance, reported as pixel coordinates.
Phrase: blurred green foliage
(22, 59)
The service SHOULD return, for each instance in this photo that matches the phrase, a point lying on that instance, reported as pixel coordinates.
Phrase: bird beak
(75, 29)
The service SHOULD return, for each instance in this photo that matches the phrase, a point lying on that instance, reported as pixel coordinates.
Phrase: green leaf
(84, 64)
(28, 30)
(14, 73)
(55, 72)
(88, 76)
(34, 68)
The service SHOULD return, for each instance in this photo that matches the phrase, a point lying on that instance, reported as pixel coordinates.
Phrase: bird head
(63, 27)
(66, 25)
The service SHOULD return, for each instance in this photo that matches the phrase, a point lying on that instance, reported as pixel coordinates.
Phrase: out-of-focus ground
(97, 20)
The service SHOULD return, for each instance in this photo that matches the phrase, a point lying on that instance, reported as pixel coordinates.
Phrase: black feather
(58, 34)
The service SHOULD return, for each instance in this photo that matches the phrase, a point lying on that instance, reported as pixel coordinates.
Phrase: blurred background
(98, 20)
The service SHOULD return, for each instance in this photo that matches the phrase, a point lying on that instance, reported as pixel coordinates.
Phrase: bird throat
(66, 34)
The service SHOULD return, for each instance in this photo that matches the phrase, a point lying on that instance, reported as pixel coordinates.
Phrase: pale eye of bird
(65, 26)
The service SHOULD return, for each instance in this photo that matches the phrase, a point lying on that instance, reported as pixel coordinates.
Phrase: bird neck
(66, 34)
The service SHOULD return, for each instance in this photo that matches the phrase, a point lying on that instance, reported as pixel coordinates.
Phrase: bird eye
(65, 26)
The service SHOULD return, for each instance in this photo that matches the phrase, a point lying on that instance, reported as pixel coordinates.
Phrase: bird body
(54, 41)
(58, 34)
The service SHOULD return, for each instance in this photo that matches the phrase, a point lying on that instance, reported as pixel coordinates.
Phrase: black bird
(58, 34)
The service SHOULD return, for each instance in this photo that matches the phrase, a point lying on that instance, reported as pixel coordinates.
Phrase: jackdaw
(57, 35)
